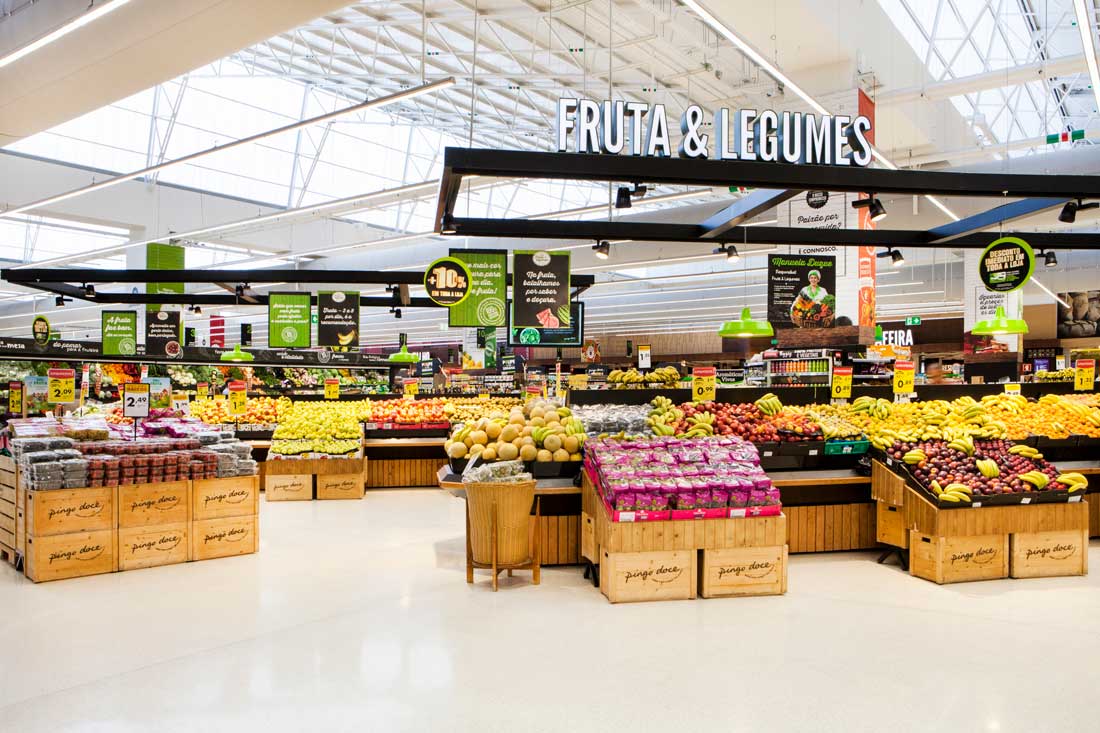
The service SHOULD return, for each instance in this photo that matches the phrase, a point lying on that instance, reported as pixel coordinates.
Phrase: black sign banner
(338, 319)
(162, 334)
(540, 289)
(802, 291)
(1006, 265)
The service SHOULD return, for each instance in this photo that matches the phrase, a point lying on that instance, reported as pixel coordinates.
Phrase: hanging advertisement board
(801, 291)
(485, 303)
(162, 334)
(540, 289)
(288, 317)
(338, 318)
(119, 329)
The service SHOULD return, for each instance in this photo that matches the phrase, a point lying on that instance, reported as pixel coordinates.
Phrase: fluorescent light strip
(95, 13)
(773, 71)
(1048, 291)
(122, 178)
(899, 285)
(612, 306)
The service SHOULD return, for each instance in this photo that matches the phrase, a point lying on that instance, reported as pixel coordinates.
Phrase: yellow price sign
(1084, 375)
(704, 384)
(62, 385)
(238, 398)
(332, 389)
(412, 387)
(202, 392)
(15, 397)
(842, 383)
(1012, 388)
(904, 372)
(483, 396)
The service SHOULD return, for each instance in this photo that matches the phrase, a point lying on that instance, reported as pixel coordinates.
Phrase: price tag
(1012, 388)
(412, 387)
(61, 386)
(332, 389)
(144, 372)
(842, 383)
(85, 382)
(180, 403)
(903, 377)
(238, 398)
(704, 384)
(483, 396)
(1084, 375)
(645, 356)
(15, 397)
(202, 392)
(135, 399)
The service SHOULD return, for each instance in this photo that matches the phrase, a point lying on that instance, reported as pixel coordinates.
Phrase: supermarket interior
(473, 365)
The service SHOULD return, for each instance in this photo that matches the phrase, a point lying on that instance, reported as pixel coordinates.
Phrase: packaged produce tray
(846, 447)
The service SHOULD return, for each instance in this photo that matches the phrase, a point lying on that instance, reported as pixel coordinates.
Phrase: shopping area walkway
(355, 616)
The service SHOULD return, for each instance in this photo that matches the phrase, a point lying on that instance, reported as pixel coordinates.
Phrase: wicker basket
(511, 504)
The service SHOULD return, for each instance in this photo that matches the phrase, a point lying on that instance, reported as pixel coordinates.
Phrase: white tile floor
(356, 617)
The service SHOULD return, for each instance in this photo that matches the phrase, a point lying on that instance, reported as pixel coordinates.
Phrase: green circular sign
(40, 330)
(1006, 264)
(447, 281)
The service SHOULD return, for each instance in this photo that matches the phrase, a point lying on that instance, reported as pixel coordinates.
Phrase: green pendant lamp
(237, 355)
(746, 327)
(403, 356)
(1000, 325)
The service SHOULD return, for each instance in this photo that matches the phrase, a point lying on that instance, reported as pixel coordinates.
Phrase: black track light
(730, 251)
(897, 259)
(61, 300)
(241, 287)
(622, 198)
(1050, 259)
(874, 206)
(602, 250)
(89, 290)
(396, 312)
(1069, 211)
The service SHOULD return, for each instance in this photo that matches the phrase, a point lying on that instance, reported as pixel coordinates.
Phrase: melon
(526, 440)
(493, 430)
(528, 452)
(518, 443)
(508, 452)
(552, 419)
(517, 418)
(457, 450)
(570, 443)
(447, 446)
(496, 415)
(479, 437)
(544, 456)
(537, 412)
(551, 443)
(537, 421)
(575, 457)
(489, 454)
(509, 433)
(527, 431)
(476, 448)
(561, 454)
(468, 441)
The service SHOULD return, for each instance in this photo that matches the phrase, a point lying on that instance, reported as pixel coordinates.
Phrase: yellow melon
(561, 454)
(493, 430)
(575, 457)
(526, 440)
(544, 456)
(537, 411)
(509, 433)
(518, 443)
(528, 452)
(551, 443)
(570, 443)
(517, 418)
(527, 431)
(457, 450)
(479, 437)
(508, 452)
(537, 422)
(476, 448)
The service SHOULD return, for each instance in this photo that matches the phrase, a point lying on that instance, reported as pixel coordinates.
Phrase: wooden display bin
(146, 505)
(667, 575)
(213, 498)
(65, 511)
(890, 528)
(224, 537)
(151, 546)
(340, 486)
(7, 530)
(402, 472)
(887, 486)
(1049, 554)
(958, 559)
(744, 571)
(56, 557)
(289, 487)
(588, 539)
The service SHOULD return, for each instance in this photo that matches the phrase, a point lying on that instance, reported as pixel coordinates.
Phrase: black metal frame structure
(1025, 194)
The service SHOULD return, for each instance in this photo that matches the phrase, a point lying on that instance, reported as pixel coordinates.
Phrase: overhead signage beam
(1000, 215)
(745, 208)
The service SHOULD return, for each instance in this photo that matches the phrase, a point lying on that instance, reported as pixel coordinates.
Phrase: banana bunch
(1012, 403)
(1075, 481)
(1081, 410)
(700, 425)
(666, 375)
(573, 426)
(1026, 451)
(963, 445)
(953, 493)
(1036, 479)
(988, 467)
(914, 456)
(881, 409)
(862, 404)
(769, 404)
(621, 435)
(630, 376)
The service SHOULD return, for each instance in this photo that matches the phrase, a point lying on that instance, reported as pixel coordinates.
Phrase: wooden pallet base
(1049, 554)
(559, 539)
(958, 559)
(666, 575)
(743, 571)
(831, 527)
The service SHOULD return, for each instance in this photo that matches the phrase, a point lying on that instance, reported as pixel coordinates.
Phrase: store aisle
(355, 617)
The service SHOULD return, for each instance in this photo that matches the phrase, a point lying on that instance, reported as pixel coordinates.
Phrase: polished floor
(356, 617)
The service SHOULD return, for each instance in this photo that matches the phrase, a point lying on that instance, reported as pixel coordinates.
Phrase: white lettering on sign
(642, 130)
(901, 337)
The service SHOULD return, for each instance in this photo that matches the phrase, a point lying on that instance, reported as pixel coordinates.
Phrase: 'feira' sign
(642, 129)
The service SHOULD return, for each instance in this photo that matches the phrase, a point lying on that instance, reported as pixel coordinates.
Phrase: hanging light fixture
(746, 327)
(237, 355)
(730, 251)
(403, 356)
(897, 259)
(1000, 325)
(873, 205)
(602, 250)
(1050, 259)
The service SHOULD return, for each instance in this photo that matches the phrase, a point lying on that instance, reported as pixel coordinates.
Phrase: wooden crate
(225, 497)
(151, 546)
(558, 538)
(146, 505)
(224, 537)
(588, 539)
(7, 524)
(289, 487)
(7, 494)
(886, 485)
(890, 526)
(668, 575)
(56, 557)
(831, 527)
(402, 472)
(925, 517)
(744, 571)
(9, 472)
(65, 511)
(316, 466)
(958, 559)
(1049, 554)
(340, 486)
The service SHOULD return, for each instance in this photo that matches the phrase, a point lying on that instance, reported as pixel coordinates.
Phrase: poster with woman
(801, 291)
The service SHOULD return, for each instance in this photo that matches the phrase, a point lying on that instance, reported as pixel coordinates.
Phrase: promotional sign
(338, 319)
(842, 383)
(488, 339)
(801, 291)
(904, 372)
(144, 373)
(1012, 388)
(590, 352)
(980, 304)
(1006, 264)
(644, 356)
(161, 256)
(217, 332)
(36, 394)
(62, 385)
(40, 330)
(473, 355)
(180, 403)
(332, 389)
(1084, 375)
(190, 336)
(569, 333)
(119, 329)
(484, 306)
(160, 391)
(288, 320)
(135, 399)
(85, 382)
(202, 391)
(246, 334)
(411, 387)
(704, 384)
(238, 398)
(447, 281)
(162, 334)
(15, 397)
(540, 289)
(818, 210)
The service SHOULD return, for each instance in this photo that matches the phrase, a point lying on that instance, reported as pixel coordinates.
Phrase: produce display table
(826, 510)
(299, 479)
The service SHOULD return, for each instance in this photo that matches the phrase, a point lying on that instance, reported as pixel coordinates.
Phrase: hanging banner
(540, 289)
(119, 329)
(61, 385)
(801, 291)
(338, 318)
(217, 332)
(288, 320)
(1081, 318)
(40, 330)
(246, 334)
(159, 256)
(484, 306)
(487, 337)
(867, 264)
(1006, 264)
(162, 334)
(447, 281)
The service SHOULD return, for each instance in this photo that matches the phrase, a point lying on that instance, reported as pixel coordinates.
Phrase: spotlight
(877, 210)
(196, 309)
(1069, 211)
(1050, 258)
(897, 259)
(622, 198)
(61, 300)
(602, 250)
(396, 312)
(89, 290)
(241, 287)
(730, 251)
